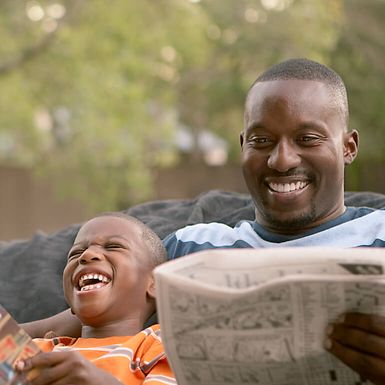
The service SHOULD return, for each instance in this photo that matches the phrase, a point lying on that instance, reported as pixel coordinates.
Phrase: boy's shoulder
(144, 339)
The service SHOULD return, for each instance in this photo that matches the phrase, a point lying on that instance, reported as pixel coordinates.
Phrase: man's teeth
(287, 187)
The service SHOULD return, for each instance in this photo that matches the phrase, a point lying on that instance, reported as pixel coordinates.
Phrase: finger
(370, 367)
(46, 359)
(20, 365)
(370, 322)
(358, 339)
(50, 335)
(50, 375)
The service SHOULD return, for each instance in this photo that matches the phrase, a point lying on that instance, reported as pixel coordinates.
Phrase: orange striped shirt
(135, 360)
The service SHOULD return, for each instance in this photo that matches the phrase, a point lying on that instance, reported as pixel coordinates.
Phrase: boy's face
(108, 275)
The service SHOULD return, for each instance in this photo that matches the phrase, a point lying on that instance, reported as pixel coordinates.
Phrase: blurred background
(108, 103)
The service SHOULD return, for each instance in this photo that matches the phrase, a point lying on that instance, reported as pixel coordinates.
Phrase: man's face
(107, 272)
(294, 150)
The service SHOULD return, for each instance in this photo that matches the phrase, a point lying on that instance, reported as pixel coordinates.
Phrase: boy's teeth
(287, 187)
(91, 287)
(94, 276)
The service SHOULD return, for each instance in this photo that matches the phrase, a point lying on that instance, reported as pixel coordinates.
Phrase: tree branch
(26, 54)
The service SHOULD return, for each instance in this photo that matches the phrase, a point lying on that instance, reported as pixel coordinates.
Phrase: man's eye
(307, 139)
(259, 140)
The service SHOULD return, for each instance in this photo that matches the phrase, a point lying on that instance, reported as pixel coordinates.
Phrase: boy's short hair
(155, 247)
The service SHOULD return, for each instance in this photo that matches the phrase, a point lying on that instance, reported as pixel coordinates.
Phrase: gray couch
(31, 270)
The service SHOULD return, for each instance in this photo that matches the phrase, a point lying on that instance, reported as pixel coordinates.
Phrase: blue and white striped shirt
(356, 227)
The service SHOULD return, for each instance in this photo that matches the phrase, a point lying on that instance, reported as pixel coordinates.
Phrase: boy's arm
(65, 367)
(62, 324)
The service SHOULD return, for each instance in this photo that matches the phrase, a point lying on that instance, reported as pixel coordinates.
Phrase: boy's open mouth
(91, 281)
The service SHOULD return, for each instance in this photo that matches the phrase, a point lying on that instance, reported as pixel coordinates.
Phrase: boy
(109, 286)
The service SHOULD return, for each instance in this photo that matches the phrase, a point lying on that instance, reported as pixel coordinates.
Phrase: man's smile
(287, 187)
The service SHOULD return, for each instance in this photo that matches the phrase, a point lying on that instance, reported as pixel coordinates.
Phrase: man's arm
(358, 340)
(62, 324)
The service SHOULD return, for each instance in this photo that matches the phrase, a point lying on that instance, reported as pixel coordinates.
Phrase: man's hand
(358, 340)
(63, 368)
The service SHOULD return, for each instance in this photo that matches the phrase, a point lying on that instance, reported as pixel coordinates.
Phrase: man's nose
(283, 157)
(90, 255)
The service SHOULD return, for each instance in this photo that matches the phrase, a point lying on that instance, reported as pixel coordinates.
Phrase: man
(295, 145)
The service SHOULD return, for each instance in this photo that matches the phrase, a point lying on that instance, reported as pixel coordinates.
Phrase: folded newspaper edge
(240, 316)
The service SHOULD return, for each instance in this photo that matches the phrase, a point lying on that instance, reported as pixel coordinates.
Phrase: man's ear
(351, 142)
(151, 287)
(241, 138)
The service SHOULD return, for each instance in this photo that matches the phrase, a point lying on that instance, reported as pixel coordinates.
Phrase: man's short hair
(306, 69)
(155, 247)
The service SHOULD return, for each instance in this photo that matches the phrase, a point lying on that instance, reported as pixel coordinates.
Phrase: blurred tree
(245, 37)
(87, 90)
(359, 56)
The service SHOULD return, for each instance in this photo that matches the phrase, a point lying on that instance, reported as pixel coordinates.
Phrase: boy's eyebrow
(106, 239)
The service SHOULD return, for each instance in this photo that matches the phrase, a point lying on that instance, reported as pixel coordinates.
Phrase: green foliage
(359, 57)
(94, 108)
(248, 36)
(93, 96)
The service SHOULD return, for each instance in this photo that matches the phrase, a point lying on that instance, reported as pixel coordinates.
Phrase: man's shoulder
(357, 227)
(202, 231)
(358, 212)
(198, 237)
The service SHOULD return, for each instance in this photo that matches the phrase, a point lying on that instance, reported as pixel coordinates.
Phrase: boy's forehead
(108, 226)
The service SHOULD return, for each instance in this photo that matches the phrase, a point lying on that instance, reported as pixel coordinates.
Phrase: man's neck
(297, 227)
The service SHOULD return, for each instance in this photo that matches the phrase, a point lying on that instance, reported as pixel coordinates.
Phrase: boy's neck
(127, 327)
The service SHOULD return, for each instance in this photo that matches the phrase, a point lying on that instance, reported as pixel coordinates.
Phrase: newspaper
(15, 344)
(258, 316)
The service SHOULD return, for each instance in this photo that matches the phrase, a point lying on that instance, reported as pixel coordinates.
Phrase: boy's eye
(74, 254)
(112, 246)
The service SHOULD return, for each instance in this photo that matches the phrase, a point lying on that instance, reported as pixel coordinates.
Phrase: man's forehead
(295, 88)
(294, 92)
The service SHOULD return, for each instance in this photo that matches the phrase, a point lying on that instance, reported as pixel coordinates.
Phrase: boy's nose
(283, 157)
(90, 255)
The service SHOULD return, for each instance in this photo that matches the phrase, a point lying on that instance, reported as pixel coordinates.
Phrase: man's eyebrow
(254, 126)
(312, 125)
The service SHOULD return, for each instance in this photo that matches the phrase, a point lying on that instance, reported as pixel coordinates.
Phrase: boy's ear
(151, 287)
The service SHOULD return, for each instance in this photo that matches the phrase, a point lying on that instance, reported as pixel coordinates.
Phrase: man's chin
(290, 224)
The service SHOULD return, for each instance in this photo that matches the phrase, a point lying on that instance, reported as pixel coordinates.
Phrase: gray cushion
(31, 270)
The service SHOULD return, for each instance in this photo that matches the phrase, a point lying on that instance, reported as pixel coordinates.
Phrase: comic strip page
(259, 316)
(15, 344)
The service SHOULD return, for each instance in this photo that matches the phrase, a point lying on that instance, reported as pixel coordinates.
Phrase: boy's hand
(63, 368)
(358, 340)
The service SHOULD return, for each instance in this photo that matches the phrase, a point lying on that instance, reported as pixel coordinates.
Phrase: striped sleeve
(133, 360)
